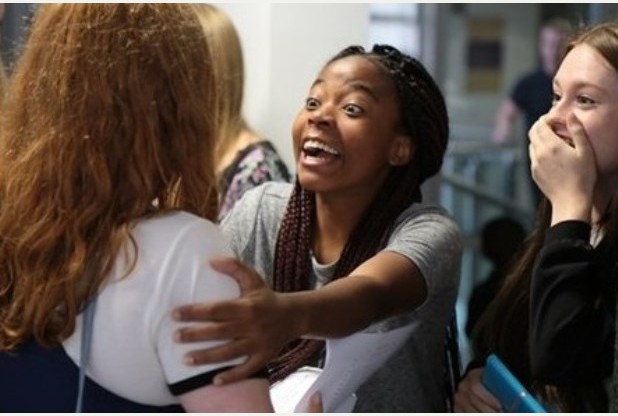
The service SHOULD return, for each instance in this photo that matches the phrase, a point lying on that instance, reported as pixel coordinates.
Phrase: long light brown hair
(504, 326)
(106, 121)
(229, 70)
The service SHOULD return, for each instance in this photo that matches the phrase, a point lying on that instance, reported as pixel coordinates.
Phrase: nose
(557, 115)
(321, 117)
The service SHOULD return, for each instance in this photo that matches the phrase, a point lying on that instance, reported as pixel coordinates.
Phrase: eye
(311, 103)
(585, 100)
(353, 110)
(555, 97)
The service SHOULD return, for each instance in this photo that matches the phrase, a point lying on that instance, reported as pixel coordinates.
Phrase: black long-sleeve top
(572, 308)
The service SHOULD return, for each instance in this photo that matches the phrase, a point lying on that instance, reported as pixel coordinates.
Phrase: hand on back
(257, 324)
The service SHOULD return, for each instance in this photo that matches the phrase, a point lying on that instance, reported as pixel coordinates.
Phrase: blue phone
(513, 396)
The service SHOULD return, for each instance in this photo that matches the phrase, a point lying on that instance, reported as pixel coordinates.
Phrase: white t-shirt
(133, 353)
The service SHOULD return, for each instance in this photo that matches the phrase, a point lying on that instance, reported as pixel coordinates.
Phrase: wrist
(581, 211)
(297, 306)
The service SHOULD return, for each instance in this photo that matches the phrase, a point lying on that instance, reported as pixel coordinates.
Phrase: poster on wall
(484, 55)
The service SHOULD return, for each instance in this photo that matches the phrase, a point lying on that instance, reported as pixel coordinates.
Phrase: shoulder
(277, 192)
(259, 210)
(427, 228)
(174, 223)
(427, 216)
(427, 231)
(179, 233)
(174, 250)
(431, 239)
(267, 196)
(254, 222)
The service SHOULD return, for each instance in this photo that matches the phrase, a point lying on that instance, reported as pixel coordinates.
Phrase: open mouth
(319, 150)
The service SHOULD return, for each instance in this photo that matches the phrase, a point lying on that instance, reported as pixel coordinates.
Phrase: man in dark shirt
(532, 93)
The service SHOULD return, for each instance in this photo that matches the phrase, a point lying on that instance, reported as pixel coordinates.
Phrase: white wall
(285, 45)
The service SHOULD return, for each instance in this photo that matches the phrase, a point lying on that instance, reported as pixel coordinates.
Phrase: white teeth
(316, 145)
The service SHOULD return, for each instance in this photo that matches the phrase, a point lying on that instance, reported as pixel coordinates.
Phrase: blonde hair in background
(228, 66)
(106, 121)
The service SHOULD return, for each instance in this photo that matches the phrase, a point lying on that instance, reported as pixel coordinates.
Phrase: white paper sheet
(350, 361)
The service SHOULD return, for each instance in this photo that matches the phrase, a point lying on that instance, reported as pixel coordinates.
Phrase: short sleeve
(186, 277)
(433, 242)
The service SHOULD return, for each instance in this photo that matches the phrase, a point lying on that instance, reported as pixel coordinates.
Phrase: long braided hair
(424, 118)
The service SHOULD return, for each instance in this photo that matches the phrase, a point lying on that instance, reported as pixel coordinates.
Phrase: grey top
(412, 380)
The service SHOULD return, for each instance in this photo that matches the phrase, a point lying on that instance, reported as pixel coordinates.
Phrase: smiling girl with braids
(350, 244)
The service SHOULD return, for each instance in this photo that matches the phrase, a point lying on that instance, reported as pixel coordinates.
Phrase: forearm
(337, 309)
(383, 287)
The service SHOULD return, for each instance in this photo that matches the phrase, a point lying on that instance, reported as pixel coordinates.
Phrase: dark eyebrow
(317, 82)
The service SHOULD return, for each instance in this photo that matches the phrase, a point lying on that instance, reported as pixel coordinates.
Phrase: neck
(337, 217)
(602, 199)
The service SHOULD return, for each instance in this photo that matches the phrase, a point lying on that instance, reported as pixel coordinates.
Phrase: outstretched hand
(259, 324)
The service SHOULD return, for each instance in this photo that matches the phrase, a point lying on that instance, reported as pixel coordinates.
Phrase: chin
(311, 182)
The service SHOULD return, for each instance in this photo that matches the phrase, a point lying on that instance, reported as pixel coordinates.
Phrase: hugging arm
(262, 321)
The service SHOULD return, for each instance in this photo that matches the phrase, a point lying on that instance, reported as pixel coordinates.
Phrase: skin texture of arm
(262, 322)
(246, 396)
(473, 397)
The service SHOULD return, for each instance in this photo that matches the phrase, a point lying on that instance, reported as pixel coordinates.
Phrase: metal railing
(480, 181)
